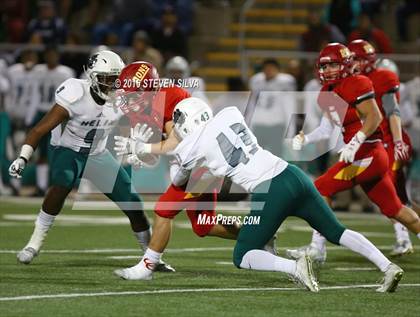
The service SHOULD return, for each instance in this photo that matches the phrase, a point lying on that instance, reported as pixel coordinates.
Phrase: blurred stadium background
(224, 42)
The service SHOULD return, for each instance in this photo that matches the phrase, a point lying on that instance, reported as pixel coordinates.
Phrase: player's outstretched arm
(136, 144)
(322, 132)
(54, 117)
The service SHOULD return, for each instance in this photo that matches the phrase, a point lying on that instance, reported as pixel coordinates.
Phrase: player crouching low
(226, 146)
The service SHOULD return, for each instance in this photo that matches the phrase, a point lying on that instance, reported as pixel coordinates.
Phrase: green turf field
(73, 276)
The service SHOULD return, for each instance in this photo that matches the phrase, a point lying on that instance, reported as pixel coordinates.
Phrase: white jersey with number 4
(227, 147)
(89, 124)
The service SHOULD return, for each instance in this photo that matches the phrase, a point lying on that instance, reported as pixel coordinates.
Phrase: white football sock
(143, 237)
(418, 235)
(359, 244)
(43, 223)
(153, 256)
(401, 232)
(264, 261)
(42, 176)
(318, 241)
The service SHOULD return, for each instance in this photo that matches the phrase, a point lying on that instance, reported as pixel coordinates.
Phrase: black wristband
(24, 158)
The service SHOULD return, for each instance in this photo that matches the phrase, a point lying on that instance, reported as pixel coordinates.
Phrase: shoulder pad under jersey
(69, 91)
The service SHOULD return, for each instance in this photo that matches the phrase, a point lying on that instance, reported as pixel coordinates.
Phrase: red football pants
(176, 199)
(370, 171)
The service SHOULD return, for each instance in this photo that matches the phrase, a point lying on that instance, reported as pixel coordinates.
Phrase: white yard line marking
(187, 290)
(175, 250)
(355, 269)
(224, 263)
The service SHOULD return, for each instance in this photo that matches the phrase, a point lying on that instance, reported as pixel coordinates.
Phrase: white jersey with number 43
(227, 147)
(89, 125)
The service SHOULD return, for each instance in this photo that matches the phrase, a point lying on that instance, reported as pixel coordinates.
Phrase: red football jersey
(341, 105)
(384, 81)
(161, 111)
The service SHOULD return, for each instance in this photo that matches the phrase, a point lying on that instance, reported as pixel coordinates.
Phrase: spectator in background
(123, 18)
(404, 11)
(319, 34)
(372, 34)
(272, 106)
(294, 68)
(142, 51)
(21, 94)
(182, 8)
(47, 28)
(13, 14)
(168, 38)
(372, 7)
(343, 14)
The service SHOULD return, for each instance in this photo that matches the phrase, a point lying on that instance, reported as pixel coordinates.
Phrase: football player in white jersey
(48, 77)
(82, 104)
(272, 105)
(227, 147)
(22, 93)
(178, 69)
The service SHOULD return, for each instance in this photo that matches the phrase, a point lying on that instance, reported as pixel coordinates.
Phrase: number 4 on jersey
(235, 155)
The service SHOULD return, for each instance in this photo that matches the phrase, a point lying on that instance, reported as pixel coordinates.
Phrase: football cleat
(402, 247)
(26, 255)
(392, 277)
(164, 267)
(304, 275)
(271, 245)
(140, 271)
(317, 256)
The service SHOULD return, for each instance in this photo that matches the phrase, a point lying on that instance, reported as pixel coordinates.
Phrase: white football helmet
(102, 70)
(177, 68)
(189, 115)
(388, 64)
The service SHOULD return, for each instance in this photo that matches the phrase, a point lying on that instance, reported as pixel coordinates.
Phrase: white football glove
(401, 151)
(298, 141)
(134, 161)
(141, 132)
(124, 145)
(349, 150)
(17, 167)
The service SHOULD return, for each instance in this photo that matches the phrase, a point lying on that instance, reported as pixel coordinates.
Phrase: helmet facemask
(103, 83)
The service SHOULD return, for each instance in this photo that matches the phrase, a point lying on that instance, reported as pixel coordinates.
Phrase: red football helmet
(334, 53)
(138, 84)
(365, 54)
